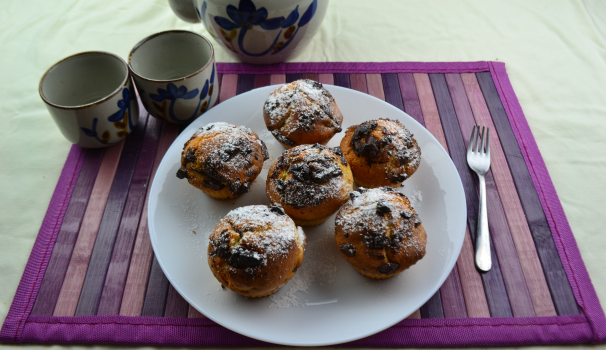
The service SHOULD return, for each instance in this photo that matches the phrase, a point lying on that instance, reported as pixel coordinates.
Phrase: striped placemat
(92, 276)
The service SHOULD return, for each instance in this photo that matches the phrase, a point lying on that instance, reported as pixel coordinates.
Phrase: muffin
(302, 112)
(311, 182)
(255, 250)
(381, 152)
(379, 233)
(222, 160)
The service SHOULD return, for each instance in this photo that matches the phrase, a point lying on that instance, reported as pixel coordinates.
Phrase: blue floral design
(246, 16)
(124, 105)
(172, 93)
(205, 90)
(117, 118)
(306, 18)
(93, 132)
(202, 13)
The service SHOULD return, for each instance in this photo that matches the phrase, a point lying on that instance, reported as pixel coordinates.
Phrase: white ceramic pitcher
(256, 31)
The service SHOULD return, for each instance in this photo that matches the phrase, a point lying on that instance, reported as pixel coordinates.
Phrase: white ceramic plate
(327, 302)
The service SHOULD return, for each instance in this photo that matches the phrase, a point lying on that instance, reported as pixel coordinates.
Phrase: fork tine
(479, 139)
(471, 139)
(487, 141)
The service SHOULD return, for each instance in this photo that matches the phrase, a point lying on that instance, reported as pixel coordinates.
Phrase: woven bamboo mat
(92, 276)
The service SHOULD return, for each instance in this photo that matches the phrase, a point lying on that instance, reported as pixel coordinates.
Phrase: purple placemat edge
(204, 332)
(355, 67)
(566, 245)
(41, 252)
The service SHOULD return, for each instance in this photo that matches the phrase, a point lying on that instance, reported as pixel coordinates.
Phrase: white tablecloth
(555, 53)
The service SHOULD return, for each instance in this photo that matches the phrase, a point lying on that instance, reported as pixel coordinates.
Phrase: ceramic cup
(175, 74)
(256, 31)
(91, 98)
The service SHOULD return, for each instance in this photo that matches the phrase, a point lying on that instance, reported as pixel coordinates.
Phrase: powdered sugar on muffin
(310, 181)
(379, 233)
(223, 156)
(255, 250)
(381, 152)
(302, 112)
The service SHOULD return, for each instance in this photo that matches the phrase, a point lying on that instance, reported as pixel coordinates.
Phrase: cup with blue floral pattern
(175, 74)
(91, 98)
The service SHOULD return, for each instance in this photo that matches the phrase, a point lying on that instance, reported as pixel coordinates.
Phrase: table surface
(555, 53)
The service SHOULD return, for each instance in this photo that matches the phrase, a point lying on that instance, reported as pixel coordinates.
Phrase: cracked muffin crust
(381, 152)
(255, 250)
(302, 112)
(311, 182)
(222, 160)
(379, 233)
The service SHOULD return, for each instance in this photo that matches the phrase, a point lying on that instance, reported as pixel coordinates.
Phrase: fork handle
(483, 259)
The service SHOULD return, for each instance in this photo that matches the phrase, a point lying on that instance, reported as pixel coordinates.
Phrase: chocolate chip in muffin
(221, 247)
(339, 152)
(212, 184)
(237, 187)
(241, 258)
(407, 214)
(397, 178)
(283, 139)
(347, 249)
(182, 173)
(370, 148)
(324, 170)
(388, 268)
(378, 256)
(382, 207)
(363, 130)
(375, 240)
(307, 119)
(300, 172)
(315, 84)
(263, 150)
(396, 238)
(209, 170)
(190, 156)
(277, 209)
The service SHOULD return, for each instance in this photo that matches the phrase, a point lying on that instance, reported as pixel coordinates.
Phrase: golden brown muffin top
(307, 175)
(227, 154)
(308, 102)
(252, 236)
(386, 141)
(385, 220)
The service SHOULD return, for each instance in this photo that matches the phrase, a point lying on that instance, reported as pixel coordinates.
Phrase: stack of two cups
(91, 98)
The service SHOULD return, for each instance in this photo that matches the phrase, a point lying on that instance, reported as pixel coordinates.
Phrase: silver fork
(478, 159)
